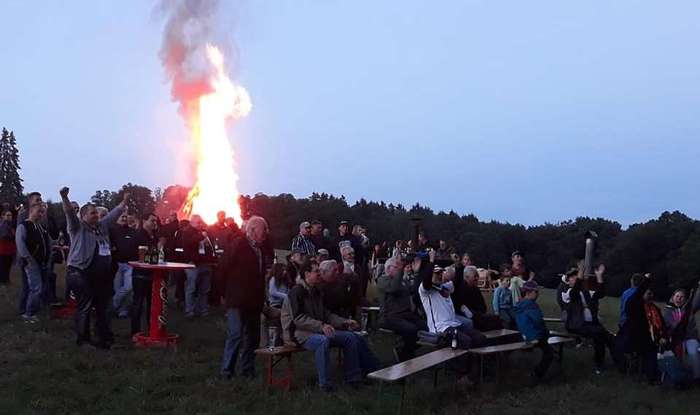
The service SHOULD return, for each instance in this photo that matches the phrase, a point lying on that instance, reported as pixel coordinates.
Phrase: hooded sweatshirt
(528, 316)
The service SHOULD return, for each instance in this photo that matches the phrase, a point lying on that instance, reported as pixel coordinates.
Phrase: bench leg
(435, 377)
(403, 396)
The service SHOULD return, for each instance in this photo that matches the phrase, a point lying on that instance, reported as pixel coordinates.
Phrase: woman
(278, 286)
(679, 316)
(8, 248)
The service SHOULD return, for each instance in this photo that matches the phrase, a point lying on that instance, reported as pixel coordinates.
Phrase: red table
(158, 335)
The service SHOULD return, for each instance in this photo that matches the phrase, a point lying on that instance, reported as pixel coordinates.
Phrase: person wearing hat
(530, 321)
(322, 254)
(302, 243)
(581, 306)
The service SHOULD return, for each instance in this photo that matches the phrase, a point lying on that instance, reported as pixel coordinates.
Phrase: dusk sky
(526, 112)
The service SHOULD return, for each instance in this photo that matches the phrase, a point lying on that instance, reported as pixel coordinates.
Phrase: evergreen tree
(11, 187)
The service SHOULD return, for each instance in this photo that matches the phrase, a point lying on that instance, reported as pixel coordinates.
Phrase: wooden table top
(171, 266)
(409, 367)
(499, 333)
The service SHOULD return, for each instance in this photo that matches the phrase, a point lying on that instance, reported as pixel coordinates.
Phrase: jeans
(91, 291)
(123, 284)
(407, 326)
(243, 337)
(142, 293)
(692, 356)
(357, 357)
(197, 288)
(34, 275)
(48, 287)
(466, 322)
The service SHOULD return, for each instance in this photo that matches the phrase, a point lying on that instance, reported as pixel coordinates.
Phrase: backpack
(673, 373)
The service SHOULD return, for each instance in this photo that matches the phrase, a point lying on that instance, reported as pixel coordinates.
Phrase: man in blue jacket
(528, 316)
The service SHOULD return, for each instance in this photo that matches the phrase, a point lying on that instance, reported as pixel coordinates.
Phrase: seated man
(341, 293)
(434, 291)
(306, 321)
(397, 312)
(470, 303)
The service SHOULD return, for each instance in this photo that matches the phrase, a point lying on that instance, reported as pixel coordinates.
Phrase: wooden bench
(483, 352)
(554, 320)
(372, 316)
(490, 335)
(401, 371)
(274, 356)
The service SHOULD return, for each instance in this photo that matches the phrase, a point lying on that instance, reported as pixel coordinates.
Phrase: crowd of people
(314, 298)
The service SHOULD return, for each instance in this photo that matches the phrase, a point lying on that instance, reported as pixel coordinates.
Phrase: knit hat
(529, 286)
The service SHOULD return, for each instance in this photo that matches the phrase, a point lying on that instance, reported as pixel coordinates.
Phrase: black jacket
(575, 308)
(123, 239)
(243, 270)
(38, 242)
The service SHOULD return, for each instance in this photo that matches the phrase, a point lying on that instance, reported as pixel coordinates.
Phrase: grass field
(42, 372)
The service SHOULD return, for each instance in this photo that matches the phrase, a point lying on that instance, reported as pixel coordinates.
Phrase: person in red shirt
(7, 246)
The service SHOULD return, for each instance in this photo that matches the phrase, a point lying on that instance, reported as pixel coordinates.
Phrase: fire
(216, 186)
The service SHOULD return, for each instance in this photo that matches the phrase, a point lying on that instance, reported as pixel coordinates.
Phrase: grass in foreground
(42, 372)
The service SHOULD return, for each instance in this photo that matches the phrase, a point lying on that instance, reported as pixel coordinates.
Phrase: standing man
(244, 272)
(123, 237)
(302, 242)
(198, 250)
(90, 267)
(316, 236)
(33, 252)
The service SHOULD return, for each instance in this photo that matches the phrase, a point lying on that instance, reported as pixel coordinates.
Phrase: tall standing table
(158, 335)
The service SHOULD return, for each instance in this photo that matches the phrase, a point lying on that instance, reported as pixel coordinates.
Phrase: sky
(522, 112)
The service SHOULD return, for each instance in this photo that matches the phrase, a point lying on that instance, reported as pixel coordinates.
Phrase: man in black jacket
(469, 301)
(123, 238)
(243, 267)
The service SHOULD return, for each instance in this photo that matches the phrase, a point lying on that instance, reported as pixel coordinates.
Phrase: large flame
(216, 187)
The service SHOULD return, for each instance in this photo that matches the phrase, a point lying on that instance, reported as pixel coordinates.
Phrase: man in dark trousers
(90, 267)
(243, 267)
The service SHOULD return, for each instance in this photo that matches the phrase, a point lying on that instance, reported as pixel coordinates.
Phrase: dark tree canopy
(11, 188)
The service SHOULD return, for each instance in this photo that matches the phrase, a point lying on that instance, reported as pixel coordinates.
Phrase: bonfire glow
(216, 187)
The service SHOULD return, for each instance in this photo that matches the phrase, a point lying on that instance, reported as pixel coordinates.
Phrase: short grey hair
(470, 269)
(391, 262)
(328, 265)
(253, 223)
(346, 248)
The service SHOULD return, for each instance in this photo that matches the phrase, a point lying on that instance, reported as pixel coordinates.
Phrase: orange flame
(216, 187)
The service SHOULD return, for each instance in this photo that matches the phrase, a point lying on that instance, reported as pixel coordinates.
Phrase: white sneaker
(30, 319)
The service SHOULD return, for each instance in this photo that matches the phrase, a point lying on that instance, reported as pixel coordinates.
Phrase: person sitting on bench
(434, 291)
(581, 305)
(530, 321)
(469, 302)
(503, 302)
(307, 322)
(341, 292)
(397, 311)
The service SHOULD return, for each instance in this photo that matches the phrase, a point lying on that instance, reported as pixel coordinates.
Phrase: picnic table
(158, 335)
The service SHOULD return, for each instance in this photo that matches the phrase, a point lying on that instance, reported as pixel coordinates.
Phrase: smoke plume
(190, 25)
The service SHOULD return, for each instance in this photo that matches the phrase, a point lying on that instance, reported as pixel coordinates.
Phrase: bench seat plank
(517, 346)
(409, 367)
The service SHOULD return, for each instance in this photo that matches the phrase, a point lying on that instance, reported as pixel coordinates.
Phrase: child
(503, 303)
(531, 324)
(516, 282)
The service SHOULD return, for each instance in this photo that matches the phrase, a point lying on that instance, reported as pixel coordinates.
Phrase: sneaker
(189, 316)
(598, 371)
(204, 314)
(30, 319)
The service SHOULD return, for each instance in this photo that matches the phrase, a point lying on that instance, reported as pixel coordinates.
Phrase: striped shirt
(303, 244)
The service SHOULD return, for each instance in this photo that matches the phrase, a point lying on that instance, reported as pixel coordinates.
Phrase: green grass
(42, 372)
